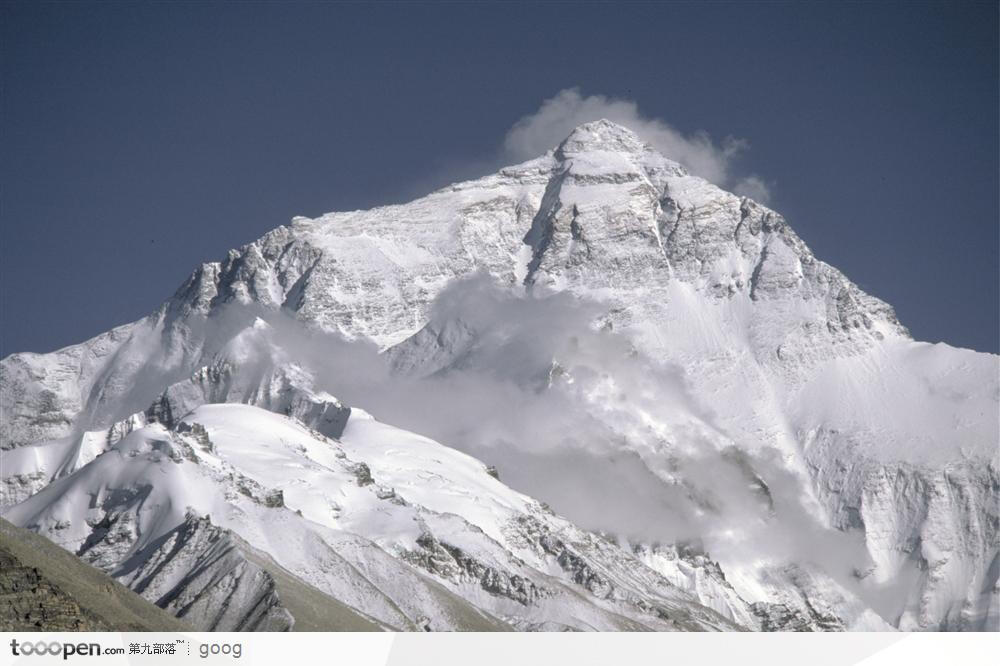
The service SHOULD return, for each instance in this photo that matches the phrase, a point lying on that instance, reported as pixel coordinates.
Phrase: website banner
(484, 649)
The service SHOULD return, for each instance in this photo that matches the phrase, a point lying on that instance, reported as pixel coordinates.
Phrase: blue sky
(140, 140)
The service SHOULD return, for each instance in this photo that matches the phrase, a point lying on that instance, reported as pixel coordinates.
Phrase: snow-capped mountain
(730, 433)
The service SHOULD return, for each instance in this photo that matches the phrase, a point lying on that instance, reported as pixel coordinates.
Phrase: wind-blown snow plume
(557, 116)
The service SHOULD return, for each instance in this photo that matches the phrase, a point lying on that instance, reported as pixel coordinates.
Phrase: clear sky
(141, 140)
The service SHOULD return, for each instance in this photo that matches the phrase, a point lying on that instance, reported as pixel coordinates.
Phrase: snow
(158, 478)
(776, 350)
(448, 482)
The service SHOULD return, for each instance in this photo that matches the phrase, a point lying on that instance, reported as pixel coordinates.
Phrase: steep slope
(44, 588)
(443, 539)
(779, 357)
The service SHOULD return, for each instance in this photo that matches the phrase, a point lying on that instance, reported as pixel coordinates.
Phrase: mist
(573, 414)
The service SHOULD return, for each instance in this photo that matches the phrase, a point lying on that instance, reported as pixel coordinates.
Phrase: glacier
(292, 425)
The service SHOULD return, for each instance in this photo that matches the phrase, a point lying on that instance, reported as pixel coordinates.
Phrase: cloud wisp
(542, 130)
(557, 116)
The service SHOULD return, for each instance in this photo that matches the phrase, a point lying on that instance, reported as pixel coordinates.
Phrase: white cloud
(542, 130)
(492, 393)
(514, 385)
(753, 187)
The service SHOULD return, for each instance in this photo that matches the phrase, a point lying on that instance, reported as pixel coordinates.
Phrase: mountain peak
(601, 135)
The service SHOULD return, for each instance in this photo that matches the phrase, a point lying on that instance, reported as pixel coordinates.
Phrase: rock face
(219, 589)
(813, 384)
(29, 602)
(43, 588)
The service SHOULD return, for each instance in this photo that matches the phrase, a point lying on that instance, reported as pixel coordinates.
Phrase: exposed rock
(44, 588)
